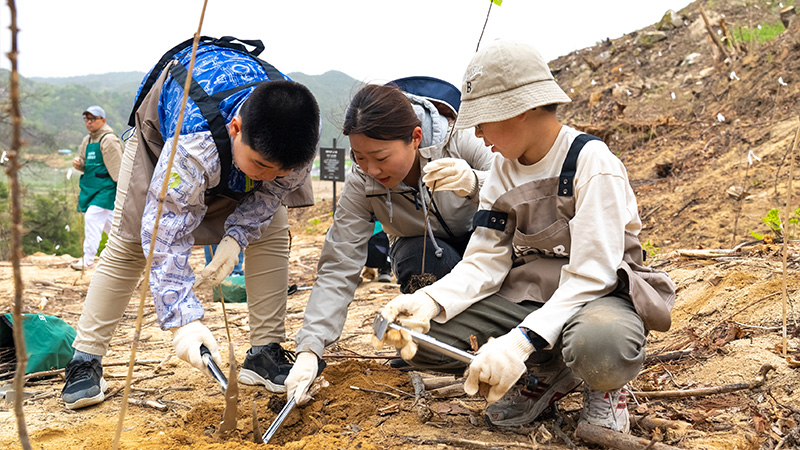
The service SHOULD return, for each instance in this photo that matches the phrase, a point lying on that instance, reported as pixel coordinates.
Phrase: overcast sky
(370, 40)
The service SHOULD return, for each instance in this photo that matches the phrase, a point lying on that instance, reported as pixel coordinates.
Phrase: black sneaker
(269, 367)
(84, 384)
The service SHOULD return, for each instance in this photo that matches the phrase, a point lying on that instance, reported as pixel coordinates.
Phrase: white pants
(96, 221)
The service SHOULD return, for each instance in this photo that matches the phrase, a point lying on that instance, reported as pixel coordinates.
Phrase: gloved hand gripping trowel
(381, 325)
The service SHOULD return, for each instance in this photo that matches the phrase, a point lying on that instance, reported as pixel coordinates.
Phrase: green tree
(51, 226)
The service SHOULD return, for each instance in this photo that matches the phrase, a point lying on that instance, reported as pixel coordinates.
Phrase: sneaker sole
(250, 378)
(89, 401)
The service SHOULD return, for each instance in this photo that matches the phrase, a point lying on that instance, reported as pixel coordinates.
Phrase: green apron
(97, 186)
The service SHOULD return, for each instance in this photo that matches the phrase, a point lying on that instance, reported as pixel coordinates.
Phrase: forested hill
(52, 107)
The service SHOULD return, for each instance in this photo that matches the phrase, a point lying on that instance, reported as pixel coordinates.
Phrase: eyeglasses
(92, 119)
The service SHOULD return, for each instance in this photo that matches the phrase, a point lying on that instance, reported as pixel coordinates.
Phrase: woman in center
(415, 174)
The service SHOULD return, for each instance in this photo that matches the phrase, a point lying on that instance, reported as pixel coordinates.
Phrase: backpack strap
(209, 107)
(568, 169)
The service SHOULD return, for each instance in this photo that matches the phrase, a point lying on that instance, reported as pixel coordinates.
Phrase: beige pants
(122, 263)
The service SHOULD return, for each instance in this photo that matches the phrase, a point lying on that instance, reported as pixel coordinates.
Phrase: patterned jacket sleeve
(195, 168)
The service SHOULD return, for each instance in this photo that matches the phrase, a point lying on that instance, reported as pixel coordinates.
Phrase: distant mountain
(52, 107)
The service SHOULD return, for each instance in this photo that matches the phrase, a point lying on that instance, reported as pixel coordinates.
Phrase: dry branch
(149, 262)
(16, 229)
(467, 443)
(390, 394)
(711, 34)
(148, 404)
(420, 398)
(724, 389)
(453, 390)
(615, 439)
(651, 423)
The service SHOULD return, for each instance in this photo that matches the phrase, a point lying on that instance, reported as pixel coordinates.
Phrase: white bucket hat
(503, 80)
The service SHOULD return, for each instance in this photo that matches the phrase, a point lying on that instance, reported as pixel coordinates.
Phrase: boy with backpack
(244, 152)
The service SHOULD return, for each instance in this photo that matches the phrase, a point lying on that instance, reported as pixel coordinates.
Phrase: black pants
(406, 255)
(378, 252)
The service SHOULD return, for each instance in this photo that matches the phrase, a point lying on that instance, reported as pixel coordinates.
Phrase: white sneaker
(606, 409)
(520, 406)
(79, 265)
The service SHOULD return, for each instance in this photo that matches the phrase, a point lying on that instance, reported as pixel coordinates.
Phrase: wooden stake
(16, 231)
(140, 313)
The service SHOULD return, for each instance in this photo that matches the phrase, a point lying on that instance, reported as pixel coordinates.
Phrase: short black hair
(280, 121)
(552, 107)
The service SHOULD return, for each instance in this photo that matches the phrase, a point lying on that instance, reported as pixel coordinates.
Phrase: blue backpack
(430, 87)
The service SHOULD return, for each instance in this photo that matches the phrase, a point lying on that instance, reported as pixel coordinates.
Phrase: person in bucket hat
(551, 283)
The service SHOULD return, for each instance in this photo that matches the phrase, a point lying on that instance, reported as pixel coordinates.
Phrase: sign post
(331, 167)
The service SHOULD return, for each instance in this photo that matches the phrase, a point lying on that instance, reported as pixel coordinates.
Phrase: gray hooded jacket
(400, 211)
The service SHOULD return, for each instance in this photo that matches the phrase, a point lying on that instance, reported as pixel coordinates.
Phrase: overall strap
(100, 141)
(567, 177)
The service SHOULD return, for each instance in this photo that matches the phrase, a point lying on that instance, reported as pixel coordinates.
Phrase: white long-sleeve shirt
(605, 210)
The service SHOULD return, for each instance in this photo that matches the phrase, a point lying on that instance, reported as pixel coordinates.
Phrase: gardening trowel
(205, 353)
(381, 325)
(287, 408)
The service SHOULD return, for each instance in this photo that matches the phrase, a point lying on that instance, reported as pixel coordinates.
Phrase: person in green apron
(99, 160)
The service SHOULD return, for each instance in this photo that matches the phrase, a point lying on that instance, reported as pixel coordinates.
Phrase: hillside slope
(684, 119)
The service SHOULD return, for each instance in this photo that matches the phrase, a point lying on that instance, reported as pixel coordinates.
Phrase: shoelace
(81, 371)
(597, 405)
(284, 356)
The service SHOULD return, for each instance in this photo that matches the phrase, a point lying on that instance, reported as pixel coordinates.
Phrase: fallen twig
(453, 390)
(420, 398)
(670, 356)
(147, 403)
(614, 439)
(760, 379)
(390, 394)
(651, 423)
(437, 382)
(454, 441)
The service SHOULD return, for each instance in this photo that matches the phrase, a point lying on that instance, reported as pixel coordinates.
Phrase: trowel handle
(428, 342)
(216, 372)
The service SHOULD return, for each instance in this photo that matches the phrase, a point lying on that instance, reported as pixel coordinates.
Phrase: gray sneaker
(520, 406)
(606, 409)
(84, 385)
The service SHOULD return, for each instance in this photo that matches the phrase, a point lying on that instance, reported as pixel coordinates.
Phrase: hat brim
(507, 104)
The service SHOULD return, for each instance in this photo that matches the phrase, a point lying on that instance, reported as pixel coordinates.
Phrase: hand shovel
(205, 353)
(381, 325)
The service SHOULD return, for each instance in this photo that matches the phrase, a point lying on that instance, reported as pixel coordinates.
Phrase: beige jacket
(111, 147)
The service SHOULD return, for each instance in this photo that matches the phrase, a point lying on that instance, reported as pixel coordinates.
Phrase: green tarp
(48, 341)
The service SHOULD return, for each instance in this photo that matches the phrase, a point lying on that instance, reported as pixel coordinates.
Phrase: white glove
(221, 265)
(451, 174)
(187, 340)
(499, 363)
(412, 311)
(303, 373)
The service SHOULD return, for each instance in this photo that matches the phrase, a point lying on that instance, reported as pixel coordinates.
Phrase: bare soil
(699, 187)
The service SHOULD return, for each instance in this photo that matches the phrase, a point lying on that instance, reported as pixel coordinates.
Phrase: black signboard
(331, 163)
